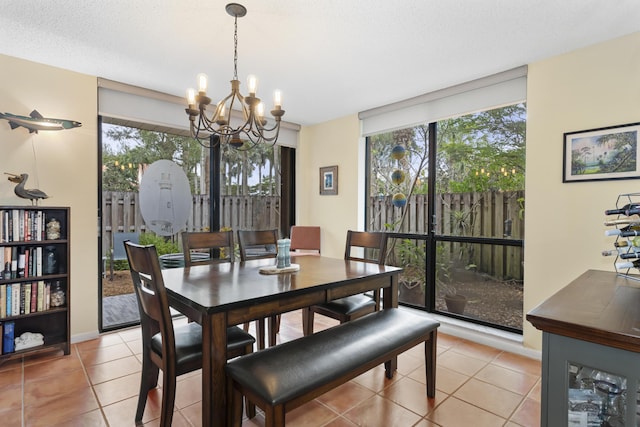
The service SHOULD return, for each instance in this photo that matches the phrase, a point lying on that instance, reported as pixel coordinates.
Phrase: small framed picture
(601, 154)
(329, 180)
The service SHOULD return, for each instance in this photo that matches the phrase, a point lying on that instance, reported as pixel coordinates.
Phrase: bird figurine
(32, 194)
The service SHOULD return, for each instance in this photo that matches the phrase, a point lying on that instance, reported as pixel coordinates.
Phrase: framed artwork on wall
(601, 154)
(329, 180)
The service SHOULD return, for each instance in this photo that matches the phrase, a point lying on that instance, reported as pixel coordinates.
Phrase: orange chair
(305, 240)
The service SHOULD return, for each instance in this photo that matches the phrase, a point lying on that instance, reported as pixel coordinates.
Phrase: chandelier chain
(235, 49)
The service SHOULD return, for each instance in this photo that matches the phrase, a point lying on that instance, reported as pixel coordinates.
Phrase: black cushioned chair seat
(189, 342)
(351, 304)
(295, 368)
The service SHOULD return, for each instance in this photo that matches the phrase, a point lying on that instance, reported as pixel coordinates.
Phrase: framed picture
(601, 154)
(329, 180)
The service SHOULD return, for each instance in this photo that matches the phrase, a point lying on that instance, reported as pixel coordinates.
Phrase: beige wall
(333, 143)
(63, 164)
(589, 88)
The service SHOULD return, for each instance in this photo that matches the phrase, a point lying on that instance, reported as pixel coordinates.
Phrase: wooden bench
(286, 376)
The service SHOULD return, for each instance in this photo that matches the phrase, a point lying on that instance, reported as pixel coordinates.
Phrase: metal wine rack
(621, 201)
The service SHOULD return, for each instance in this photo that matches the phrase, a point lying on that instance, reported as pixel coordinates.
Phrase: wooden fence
(121, 213)
(487, 214)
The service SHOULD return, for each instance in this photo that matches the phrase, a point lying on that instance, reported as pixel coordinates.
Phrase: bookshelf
(34, 280)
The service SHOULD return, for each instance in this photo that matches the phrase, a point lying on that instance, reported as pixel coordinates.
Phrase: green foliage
(478, 152)
(412, 257)
(163, 246)
(131, 149)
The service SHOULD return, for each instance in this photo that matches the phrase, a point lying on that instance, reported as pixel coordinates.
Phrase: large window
(451, 195)
(249, 185)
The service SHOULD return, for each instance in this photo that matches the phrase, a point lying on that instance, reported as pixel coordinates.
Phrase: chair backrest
(373, 246)
(305, 237)
(256, 244)
(210, 247)
(151, 295)
(118, 246)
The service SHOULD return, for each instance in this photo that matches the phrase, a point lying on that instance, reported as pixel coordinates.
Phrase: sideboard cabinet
(591, 352)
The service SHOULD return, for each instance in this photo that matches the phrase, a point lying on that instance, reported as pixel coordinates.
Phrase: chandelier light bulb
(252, 84)
(191, 97)
(260, 110)
(277, 99)
(202, 83)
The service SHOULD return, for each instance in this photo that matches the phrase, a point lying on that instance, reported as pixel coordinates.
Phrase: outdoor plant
(412, 258)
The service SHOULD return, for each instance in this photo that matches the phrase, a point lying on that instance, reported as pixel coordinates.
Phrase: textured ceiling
(329, 58)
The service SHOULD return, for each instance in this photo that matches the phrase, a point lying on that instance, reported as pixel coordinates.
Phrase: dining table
(225, 294)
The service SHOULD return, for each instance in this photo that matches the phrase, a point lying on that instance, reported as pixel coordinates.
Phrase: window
(465, 236)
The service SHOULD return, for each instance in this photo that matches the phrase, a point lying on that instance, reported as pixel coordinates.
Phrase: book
(14, 262)
(34, 297)
(38, 261)
(8, 337)
(1, 335)
(3, 301)
(15, 299)
(40, 302)
(9, 299)
(21, 296)
(27, 298)
(46, 297)
(22, 257)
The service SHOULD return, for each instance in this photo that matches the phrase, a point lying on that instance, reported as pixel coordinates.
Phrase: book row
(17, 225)
(23, 261)
(30, 297)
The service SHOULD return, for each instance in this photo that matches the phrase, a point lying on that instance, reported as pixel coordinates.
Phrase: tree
(129, 150)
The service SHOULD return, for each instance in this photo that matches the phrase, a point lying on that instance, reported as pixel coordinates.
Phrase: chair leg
(168, 398)
(260, 333)
(273, 330)
(249, 407)
(307, 321)
(148, 380)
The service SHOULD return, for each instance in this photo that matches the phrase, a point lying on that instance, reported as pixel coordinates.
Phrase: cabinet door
(589, 385)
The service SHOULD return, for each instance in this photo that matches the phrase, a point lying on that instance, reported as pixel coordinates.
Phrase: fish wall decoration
(35, 122)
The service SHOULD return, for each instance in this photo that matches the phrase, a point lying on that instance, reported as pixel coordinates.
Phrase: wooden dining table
(221, 295)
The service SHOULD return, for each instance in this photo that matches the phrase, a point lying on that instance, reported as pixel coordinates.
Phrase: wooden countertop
(599, 307)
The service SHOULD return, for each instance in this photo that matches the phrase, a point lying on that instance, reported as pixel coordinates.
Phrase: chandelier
(253, 127)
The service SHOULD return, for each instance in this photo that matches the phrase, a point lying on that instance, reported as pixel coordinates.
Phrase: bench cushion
(295, 368)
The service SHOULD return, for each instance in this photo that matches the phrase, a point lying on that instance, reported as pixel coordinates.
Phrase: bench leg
(430, 363)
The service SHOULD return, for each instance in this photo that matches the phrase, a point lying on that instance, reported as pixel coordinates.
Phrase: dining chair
(207, 247)
(174, 350)
(305, 240)
(257, 244)
(360, 246)
(260, 244)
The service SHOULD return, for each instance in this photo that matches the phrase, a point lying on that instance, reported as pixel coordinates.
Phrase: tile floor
(97, 385)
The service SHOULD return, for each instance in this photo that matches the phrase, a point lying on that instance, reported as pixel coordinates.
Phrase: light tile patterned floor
(97, 385)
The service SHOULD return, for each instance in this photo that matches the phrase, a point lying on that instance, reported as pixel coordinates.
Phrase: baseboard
(86, 336)
(496, 338)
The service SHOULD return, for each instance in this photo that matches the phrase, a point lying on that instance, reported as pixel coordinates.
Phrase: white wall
(63, 164)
